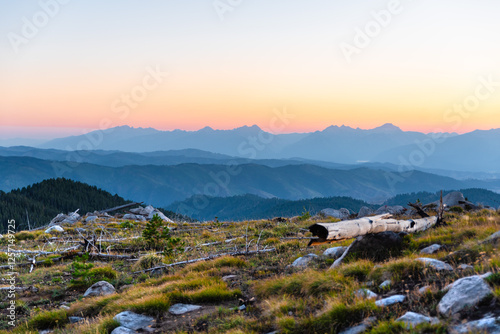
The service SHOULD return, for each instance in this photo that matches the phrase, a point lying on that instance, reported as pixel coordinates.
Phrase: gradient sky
(264, 55)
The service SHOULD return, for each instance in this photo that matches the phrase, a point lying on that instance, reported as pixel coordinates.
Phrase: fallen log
(348, 229)
(120, 207)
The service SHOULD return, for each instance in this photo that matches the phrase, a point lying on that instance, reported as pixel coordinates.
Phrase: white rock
(334, 252)
(412, 319)
(133, 320)
(54, 229)
(123, 330)
(452, 199)
(101, 288)
(463, 293)
(365, 293)
(390, 300)
(179, 309)
(431, 249)
(302, 262)
(162, 216)
(385, 284)
(355, 330)
(435, 264)
(486, 325)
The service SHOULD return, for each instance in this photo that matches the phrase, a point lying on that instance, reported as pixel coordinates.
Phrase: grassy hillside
(246, 207)
(276, 297)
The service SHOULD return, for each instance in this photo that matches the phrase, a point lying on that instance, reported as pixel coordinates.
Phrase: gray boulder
(74, 320)
(162, 216)
(334, 252)
(123, 330)
(393, 210)
(339, 214)
(485, 325)
(361, 328)
(134, 321)
(54, 229)
(464, 293)
(377, 247)
(101, 288)
(390, 300)
(431, 249)
(364, 211)
(179, 309)
(131, 216)
(435, 264)
(494, 238)
(304, 261)
(412, 319)
(90, 219)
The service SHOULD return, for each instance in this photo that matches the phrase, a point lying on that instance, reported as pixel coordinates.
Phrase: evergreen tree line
(43, 201)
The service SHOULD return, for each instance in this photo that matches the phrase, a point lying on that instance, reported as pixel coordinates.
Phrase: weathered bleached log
(349, 229)
(120, 207)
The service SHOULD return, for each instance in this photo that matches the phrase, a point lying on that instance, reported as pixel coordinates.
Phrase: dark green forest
(43, 201)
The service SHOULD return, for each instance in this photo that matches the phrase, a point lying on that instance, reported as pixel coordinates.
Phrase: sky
(69, 67)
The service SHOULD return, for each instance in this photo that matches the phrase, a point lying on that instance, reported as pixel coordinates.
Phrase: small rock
(431, 249)
(229, 278)
(385, 284)
(488, 274)
(179, 309)
(302, 262)
(424, 289)
(133, 320)
(54, 229)
(123, 330)
(465, 267)
(74, 320)
(64, 307)
(365, 293)
(361, 328)
(412, 319)
(45, 331)
(390, 300)
(435, 264)
(334, 252)
(394, 210)
(101, 288)
(242, 308)
(131, 216)
(485, 325)
(90, 219)
(464, 293)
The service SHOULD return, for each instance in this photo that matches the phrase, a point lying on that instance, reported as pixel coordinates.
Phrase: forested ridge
(43, 201)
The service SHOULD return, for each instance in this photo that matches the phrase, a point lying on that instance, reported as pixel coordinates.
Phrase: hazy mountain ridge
(477, 151)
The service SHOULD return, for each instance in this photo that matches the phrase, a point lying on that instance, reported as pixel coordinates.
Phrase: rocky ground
(97, 275)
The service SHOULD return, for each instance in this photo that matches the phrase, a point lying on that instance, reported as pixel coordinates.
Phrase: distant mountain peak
(388, 127)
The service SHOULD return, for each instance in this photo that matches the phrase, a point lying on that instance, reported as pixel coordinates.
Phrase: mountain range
(477, 151)
(165, 184)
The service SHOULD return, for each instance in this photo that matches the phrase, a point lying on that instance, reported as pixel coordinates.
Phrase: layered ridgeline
(43, 201)
(247, 207)
(161, 186)
(477, 151)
